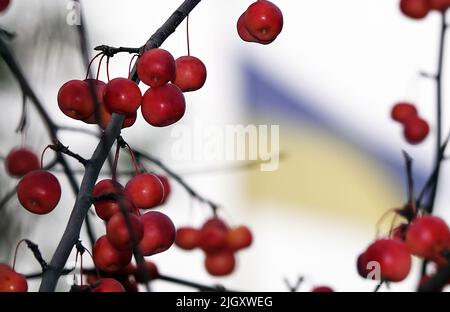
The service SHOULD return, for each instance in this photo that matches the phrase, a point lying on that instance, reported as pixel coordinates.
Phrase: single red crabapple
(239, 238)
(145, 190)
(428, 236)
(21, 161)
(75, 100)
(213, 239)
(156, 67)
(11, 281)
(401, 112)
(439, 5)
(105, 209)
(243, 31)
(4, 5)
(163, 106)
(191, 73)
(187, 238)
(264, 20)
(107, 285)
(166, 186)
(152, 273)
(216, 222)
(322, 289)
(361, 265)
(416, 130)
(416, 9)
(117, 230)
(109, 259)
(39, 192)
(159, 233)
(122, 96)
(221, 263)
(392, 256)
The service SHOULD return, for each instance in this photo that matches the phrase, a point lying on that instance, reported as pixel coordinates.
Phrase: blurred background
(329, 81)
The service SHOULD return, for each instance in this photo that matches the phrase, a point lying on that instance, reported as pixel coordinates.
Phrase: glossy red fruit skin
(107, 285)
(11, 281)
(416, 130)
(220, 264)
(264, 20)
(109, 259)
(187, 238)
(239, 238)
(212, 239)
(122, 96)
(243, 31)
(163, 106)
(428, 236)
(152, 273)
(118, 234)
(415, 9)
(361, 265)
(75, 101)
(4, 5)
(402, 112)
(21, 161)
(393, 257)
(159, 233)
(107, 208)
(191, 73)
(166, 186)
(39, 192)
(322, 289)
(439, 5)
(145, 190)
(156, 67)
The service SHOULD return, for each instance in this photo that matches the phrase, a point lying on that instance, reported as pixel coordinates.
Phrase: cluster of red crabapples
(419, 9)
(427, 237)
(262, 22)
(163, 104)
(415, 128)
(218, 241)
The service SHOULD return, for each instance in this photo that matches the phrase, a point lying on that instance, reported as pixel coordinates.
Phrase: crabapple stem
(36, 253)
(111, 51)
(59, 147)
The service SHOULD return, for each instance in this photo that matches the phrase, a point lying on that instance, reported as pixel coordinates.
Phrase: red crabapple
(166, 186)
(428, 236)
(213, 238)
(239, 238)
(107, 285)
(21, 161)
(401, 112)
(243, 31)
(118, 233)
(156, 67)
(122, 96)
(264, 20)
(416, 130)
(75, 100)
(322, 289)
(109, 259)
(105, 209)
(4, 5)
(216, 223)
(221, 263)
(145, 191)
(152, 273)
(440, 5)
(159, 233)
(187, 238)
(191, 73)
(163, 106)
(11, 281)
(39, 192)
(416, 9)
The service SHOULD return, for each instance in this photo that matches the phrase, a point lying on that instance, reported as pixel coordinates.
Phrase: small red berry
(416, 9)
(159, 233)
(402, 112)
(117, 230)
(11, 281)
(107, 285)
(156, 67)
(187, 238)
(109, 259)
(239, 238)
(416, 130)
(221, 263)
(105, 209)
(145, 191)
(191, 73)
(166, 186)
(152, 273)
(264, 20)
(122, 96)
(21, 161)
(439, 5)
(428, 236)
(163, 106)
(75, 101)
(322, 289)
(4, 5)
(39, 192)
(243, 31)
(213, 238)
